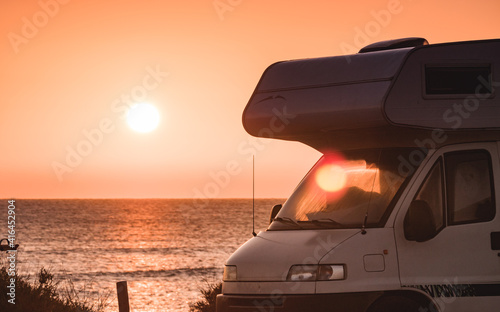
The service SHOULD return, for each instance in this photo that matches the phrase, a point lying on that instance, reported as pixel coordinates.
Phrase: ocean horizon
(166, 249)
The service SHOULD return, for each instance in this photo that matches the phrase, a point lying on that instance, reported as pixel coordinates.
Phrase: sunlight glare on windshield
(335, 176)
(331, 178)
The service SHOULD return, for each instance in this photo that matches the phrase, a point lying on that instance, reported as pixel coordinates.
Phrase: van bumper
(343, 302)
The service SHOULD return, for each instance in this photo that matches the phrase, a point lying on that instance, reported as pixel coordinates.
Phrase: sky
(71, 70)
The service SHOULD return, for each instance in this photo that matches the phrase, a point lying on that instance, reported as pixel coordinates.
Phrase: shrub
(207, 304)
(44, 294)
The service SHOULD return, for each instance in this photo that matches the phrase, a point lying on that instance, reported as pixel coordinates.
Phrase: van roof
(389, 94)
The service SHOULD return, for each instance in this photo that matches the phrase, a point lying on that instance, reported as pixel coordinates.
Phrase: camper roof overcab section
(390, 96)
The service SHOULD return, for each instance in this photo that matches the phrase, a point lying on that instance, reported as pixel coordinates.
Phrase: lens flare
(331, 178)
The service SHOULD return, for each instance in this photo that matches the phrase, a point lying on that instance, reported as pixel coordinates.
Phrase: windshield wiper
(324, 222)
(287, 220)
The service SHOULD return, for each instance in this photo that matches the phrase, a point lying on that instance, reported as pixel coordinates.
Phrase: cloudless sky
(69, 68)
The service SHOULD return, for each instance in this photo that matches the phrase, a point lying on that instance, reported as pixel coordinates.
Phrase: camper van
(401, 213)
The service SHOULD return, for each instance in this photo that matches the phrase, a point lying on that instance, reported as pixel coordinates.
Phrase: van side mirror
(419, 224)
(274, 212)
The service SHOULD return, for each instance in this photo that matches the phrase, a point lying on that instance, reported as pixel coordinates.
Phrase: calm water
(166, 249)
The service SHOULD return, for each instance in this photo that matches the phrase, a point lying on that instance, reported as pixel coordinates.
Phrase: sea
(167, 250)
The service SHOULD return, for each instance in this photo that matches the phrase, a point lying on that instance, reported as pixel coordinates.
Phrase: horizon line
(183, 198)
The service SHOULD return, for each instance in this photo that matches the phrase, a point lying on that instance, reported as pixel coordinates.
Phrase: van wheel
(396, 304)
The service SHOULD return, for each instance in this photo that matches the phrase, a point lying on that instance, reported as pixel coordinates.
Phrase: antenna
(253, 196)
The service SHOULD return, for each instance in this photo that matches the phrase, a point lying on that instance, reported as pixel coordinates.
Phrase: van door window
(431, 193)
(469, 187)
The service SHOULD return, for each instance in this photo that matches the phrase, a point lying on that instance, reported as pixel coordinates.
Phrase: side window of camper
(431, 194)
(458, 80)
(469, 187)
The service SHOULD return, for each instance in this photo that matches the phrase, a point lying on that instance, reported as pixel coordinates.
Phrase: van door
(447, 230)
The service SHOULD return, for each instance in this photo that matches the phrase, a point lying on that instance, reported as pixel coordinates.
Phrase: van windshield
(349, 190)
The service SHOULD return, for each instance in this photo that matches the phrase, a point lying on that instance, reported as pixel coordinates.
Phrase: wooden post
(121, 289)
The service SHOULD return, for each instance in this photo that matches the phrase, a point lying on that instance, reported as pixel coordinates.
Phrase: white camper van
(401, 212)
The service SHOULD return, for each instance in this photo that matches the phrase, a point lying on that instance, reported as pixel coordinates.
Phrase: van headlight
(229, 273)
(314, 272)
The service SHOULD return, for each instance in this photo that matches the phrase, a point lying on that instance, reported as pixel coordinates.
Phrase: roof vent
(395, 44)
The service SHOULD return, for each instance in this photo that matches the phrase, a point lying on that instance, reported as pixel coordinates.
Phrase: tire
(397, 304)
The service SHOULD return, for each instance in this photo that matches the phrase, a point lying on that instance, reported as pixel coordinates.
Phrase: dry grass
(46, 294)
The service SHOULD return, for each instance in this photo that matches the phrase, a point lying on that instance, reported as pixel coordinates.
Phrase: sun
(143, 117)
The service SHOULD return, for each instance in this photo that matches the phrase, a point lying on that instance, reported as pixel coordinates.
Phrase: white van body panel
(459, 257)
(277, 251)
(371, 262)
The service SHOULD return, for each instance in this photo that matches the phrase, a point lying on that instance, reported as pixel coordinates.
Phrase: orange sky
(69, 66)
